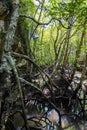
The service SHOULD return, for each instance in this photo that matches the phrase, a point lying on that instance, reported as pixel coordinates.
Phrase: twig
(31, 84)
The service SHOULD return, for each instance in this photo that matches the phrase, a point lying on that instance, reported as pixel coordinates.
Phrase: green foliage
(27, 6)
(44, 48)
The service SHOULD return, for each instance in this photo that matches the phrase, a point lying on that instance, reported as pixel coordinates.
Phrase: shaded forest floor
(63, 92)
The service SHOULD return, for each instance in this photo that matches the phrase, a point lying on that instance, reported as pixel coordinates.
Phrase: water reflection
(66, 122)
(49, 119)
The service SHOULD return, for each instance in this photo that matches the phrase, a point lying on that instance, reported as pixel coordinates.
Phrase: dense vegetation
(43, 64)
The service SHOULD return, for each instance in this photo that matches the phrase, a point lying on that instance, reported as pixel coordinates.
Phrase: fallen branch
(52, 104)
(39, 68)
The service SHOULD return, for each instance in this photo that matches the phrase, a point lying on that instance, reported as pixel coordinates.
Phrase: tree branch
(46, 23)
